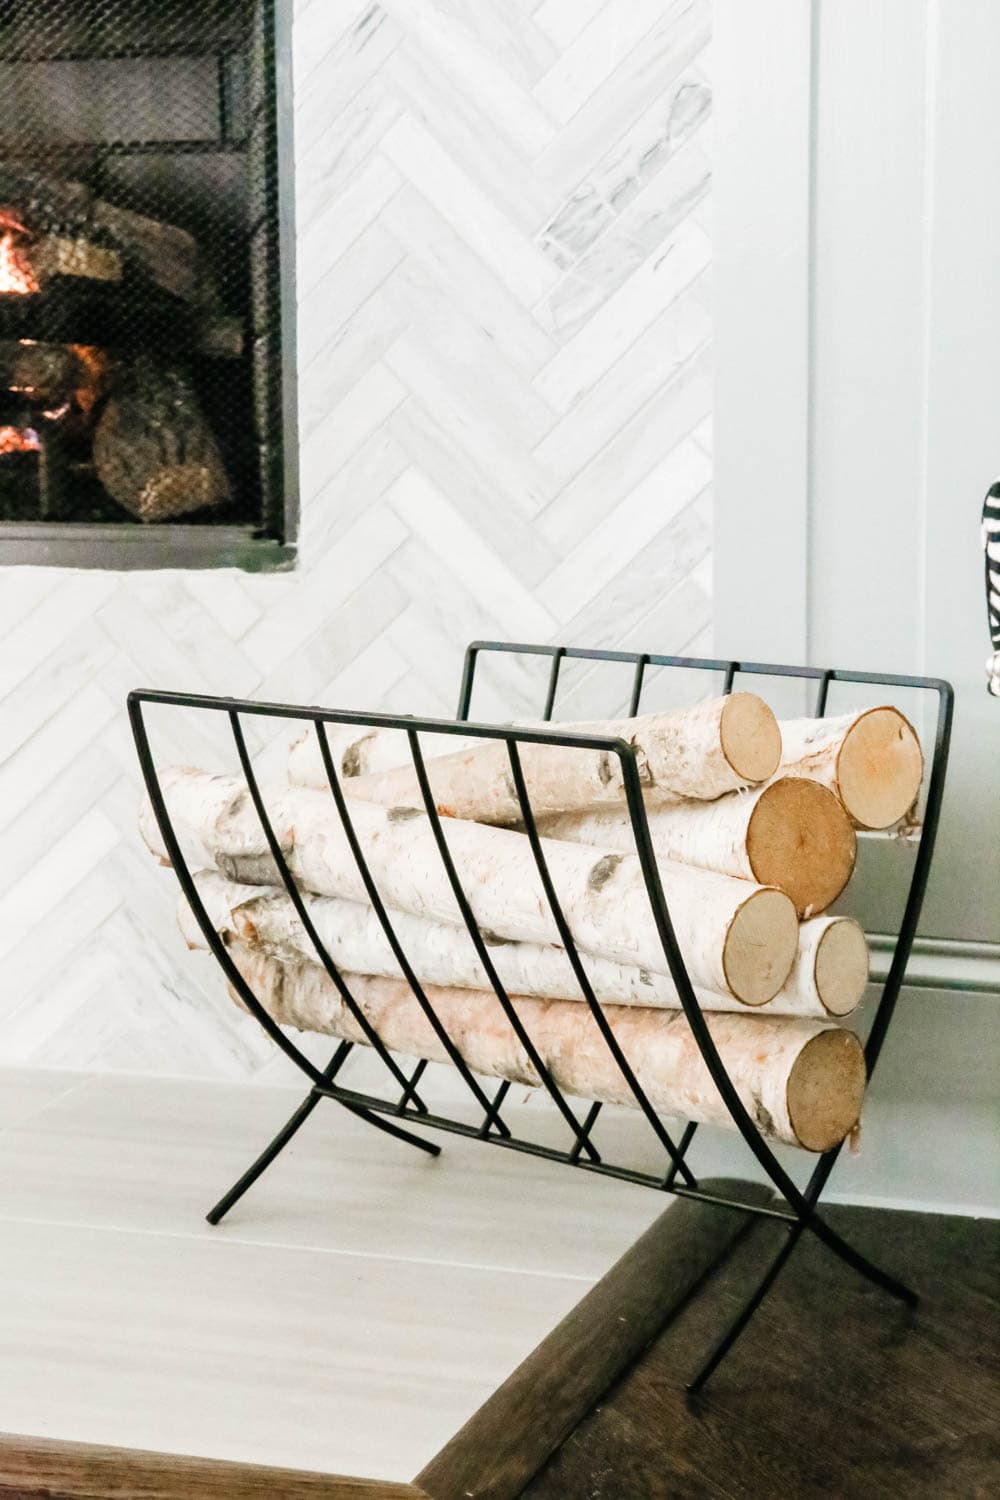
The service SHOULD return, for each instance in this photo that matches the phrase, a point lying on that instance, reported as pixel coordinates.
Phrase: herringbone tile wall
(504, 336)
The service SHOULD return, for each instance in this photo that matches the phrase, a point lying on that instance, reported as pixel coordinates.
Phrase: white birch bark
(443, 955)
(871, 760)
(801, 1081)
(791, 833)
(702, 752)
(737, 938)
(362, 750)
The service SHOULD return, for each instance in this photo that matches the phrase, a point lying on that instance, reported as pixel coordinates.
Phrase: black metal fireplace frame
(271, 545)
(798, 1210)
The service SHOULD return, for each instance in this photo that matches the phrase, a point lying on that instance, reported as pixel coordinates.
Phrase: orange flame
(19, 440)
(15, 274)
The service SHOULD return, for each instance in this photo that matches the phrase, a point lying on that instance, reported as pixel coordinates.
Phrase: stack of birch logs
(753, 825)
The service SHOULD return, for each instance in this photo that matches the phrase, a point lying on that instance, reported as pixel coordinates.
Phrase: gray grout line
(207, 1237)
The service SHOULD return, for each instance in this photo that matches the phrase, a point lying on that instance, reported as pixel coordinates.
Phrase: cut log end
(842, 967)
(760, 946)
(800, 839)
(879, 768)
(825, 1088)
(751, 738)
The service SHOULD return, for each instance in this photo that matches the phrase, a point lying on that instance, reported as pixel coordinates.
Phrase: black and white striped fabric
(991, 553)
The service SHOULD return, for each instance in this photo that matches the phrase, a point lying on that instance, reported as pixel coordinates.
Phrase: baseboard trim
(942, 964)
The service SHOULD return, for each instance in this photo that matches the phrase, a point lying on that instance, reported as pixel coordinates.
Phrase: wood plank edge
(513, 1434)
(42, 1469)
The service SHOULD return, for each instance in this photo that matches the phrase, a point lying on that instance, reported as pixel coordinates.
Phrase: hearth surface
(349, 1317)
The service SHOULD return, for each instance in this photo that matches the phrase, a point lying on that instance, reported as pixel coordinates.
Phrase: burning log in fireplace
(108, 323)
(153, 450)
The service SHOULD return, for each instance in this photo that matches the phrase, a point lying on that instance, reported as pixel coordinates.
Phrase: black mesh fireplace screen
(140, 315)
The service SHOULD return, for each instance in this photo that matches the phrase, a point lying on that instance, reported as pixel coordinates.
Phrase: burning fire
(16, 275)
(19, 440)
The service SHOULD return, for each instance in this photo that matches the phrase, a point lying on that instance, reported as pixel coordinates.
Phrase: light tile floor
(353, 1311)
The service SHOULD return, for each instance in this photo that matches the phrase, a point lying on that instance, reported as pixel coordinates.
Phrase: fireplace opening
(145, 370)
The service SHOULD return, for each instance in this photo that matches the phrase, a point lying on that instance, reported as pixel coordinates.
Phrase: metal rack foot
(290, 1129)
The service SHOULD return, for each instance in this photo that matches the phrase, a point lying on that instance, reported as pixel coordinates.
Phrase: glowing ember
(19, 440)
(16, 274)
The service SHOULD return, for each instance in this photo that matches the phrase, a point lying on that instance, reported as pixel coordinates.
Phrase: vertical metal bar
(482, 952)
(399, 951)
(572, 953)
(302, 911)
(727, 685)
(468, 681)
(637, 684)
(821, 695)
(550, 696)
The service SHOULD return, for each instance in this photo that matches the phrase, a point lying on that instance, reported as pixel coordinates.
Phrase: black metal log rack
(796, 1207)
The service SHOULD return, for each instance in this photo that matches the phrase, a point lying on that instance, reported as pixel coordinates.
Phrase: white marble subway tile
(474, 215)
(50, 752)
(458, 119)
(631, 453)
(343, 142)
(675, 194)
(563, 20)
(80, 656)
(42, 889)
(472, 66)
(594, 55)
(343, 432)
(640, 82)
(506, 34)
(472, 289)
(327, 234)
(355, 347)
(622, 534)
(470, 423)
(623, 317)
(614, 615)
(429, 515)
(520, 543)
(319, 28)
(340, 106)
(362, 481)
(474, 363)
(344, 287)
(362, 550)
(646, 367)
(39, 824)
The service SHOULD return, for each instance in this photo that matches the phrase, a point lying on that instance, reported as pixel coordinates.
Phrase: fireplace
(146, 308)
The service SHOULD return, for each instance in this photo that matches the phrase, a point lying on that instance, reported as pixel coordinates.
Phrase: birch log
(702, 752)
(737, 938)
(439, 954)
(871, 760)
(801, 1081)
(831, 971)
(363, 750)
(792, 833)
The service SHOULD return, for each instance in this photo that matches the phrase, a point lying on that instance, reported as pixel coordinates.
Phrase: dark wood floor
(834, 1390)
